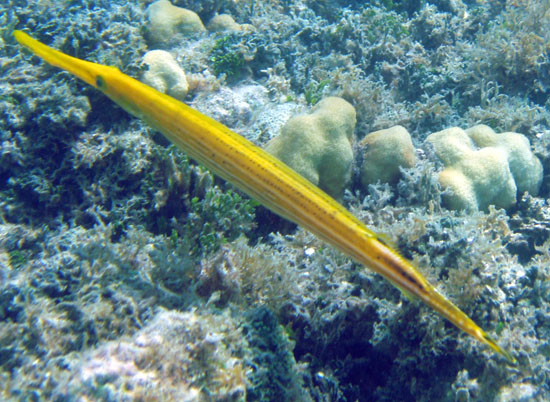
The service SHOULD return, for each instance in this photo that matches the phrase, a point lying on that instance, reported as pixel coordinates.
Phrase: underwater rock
(169, 357)
(318, 145)
(387, 150)
(483, 168)
(521, 392)
(233, 106)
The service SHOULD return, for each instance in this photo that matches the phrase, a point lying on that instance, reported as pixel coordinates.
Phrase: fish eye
(100, 83)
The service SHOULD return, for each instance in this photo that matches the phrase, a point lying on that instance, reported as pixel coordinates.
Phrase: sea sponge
(386, 151)
(166, 21)
(319, 145)
(483, 168)
(164, 74)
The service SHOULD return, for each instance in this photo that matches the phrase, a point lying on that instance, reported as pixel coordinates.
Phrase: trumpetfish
(263, 177)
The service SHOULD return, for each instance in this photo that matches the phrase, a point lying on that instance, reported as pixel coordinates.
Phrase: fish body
(262, 176)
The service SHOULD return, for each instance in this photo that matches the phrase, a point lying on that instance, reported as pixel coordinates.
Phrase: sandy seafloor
(129, 272)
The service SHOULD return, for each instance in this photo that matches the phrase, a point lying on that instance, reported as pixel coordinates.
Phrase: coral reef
(236, 106)
(178, 356)
(275, 377)
(524, 166)
(483, 168)
(168, 23)
(126, 269)
(386, 152)
(227, 58)
(164, 74)
(208, 8)
(318, 145)
(223, 22)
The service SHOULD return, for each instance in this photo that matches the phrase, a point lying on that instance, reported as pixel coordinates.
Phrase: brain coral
(318, 145)
(483, 168)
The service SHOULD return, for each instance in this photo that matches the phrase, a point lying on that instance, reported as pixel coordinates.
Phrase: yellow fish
(263, 177)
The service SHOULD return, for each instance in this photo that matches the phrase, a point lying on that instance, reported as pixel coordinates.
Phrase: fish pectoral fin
(407, 294)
